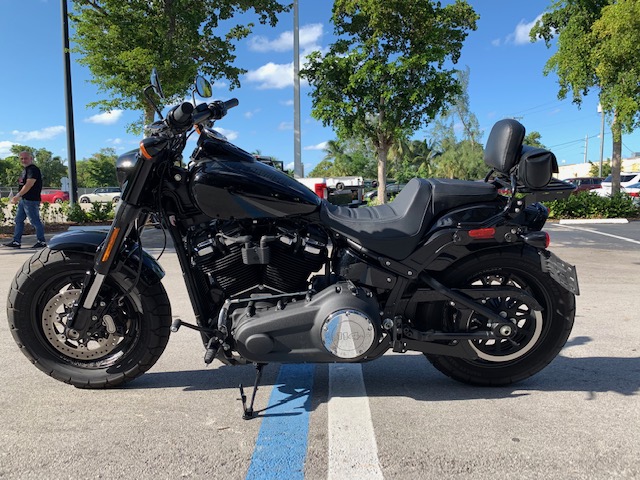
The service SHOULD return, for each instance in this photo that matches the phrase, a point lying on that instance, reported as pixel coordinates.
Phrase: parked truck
(348, 191)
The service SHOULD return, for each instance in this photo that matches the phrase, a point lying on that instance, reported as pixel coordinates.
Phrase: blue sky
(506, 81)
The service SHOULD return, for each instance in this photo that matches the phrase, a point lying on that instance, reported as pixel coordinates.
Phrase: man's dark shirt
(31, 172)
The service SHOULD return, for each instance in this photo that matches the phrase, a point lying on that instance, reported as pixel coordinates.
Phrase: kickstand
(248, 411)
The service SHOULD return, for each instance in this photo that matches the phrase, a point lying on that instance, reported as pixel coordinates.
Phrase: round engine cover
(348, 333)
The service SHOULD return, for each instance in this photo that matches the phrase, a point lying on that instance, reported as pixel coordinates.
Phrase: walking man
(28, 201)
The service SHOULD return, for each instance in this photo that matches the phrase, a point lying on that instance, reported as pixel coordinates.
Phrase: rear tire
(541, 334)
(126, 341)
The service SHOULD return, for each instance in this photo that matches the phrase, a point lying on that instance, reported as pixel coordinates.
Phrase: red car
(52, 195)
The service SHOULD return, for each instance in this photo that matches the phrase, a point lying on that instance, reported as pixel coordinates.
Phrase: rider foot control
(176, 324)
(212, 349)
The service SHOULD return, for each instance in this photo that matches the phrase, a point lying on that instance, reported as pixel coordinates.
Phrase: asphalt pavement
(577, 419)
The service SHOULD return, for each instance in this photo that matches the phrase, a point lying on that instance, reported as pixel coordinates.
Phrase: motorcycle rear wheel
(541, 334)
(125, 342)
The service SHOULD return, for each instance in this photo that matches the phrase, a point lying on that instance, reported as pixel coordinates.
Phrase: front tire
(125, 341)
(541, 334)
(84, 200)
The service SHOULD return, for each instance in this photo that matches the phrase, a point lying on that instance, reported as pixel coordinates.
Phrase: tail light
(634, 194)
(482, 233)
(320, 189)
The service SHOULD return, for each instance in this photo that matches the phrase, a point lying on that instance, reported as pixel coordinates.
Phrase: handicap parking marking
(282, 443)
(281, 447)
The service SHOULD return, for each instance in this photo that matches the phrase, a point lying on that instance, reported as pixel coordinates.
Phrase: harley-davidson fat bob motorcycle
(453, 269)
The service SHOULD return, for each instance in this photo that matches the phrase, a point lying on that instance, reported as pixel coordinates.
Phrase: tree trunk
(383, 152)
(149, 116)
(616, 157)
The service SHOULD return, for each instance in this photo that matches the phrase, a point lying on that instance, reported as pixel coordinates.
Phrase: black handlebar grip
(231, 103)
(181, 115)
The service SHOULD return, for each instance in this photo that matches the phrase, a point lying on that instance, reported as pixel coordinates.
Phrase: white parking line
(353, 452)
(601, 233)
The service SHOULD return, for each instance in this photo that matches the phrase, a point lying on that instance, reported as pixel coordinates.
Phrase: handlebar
(231, 103)
(180, 116)
(184, 116)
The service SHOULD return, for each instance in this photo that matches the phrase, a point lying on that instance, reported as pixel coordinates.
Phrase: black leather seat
(395, 229)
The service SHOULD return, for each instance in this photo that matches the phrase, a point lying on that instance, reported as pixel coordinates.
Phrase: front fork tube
(80, 319)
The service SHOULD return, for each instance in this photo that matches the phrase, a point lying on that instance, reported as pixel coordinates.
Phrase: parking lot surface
(394, 418)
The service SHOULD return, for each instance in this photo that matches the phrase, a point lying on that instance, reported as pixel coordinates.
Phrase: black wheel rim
(112, 337)
(530, 323)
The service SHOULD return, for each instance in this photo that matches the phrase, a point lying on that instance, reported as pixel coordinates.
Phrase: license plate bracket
(562, 272)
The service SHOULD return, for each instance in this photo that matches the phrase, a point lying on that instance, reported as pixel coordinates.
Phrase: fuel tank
(227, 182)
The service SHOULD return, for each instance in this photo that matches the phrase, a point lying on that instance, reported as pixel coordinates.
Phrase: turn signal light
(537, 239)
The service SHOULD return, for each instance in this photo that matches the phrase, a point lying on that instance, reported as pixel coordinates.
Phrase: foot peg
(175, 325)
(212, 349)
(248, 412)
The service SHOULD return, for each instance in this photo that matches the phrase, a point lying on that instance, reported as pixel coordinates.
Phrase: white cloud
(106, 118)
(5, 148)
(308, 37)
(287, 103)
(520, 36)
(251, 113)
(46, 133)
(320, 146)
(272, 75)
(285, 126)
(278, 75)
(114, 141)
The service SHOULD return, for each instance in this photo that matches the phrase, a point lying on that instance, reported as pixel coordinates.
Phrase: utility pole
(71, 140)
(297, 158)
(601, 112)
(586, 147)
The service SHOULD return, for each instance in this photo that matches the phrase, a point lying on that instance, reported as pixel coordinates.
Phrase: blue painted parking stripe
(281, 447)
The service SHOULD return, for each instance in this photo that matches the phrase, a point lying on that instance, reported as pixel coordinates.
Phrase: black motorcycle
(450, 268)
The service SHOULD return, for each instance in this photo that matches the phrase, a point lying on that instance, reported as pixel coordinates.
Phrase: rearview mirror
(203, 87)
(155, 83)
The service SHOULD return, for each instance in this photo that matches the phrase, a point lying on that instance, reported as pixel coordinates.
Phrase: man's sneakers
(15, 244)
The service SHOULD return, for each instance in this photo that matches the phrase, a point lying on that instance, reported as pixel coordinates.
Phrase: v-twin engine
(339, 324)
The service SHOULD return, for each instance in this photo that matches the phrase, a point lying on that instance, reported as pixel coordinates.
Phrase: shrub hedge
(591, 205)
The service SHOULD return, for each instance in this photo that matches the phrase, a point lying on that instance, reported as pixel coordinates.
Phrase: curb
(588, 221)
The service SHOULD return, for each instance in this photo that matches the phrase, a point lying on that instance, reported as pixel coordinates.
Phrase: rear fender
(88, 242)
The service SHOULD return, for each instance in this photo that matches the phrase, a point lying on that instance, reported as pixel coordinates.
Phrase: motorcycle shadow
(411, 376)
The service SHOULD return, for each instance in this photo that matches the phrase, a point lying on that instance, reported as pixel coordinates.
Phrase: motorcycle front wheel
(129, 333)
(541, 333)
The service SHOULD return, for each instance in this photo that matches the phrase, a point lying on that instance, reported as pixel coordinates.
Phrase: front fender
(88, 242)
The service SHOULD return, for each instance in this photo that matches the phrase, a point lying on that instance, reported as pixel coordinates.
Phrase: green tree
(122, 40)
(10, 169)
(597, 47)
(594, 169)
(385, 76)
(533, 140)
(99, 170)
(413, 158)
(459, 158)
(348, 157)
